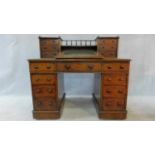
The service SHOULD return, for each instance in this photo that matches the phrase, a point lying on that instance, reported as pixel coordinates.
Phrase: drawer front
(113, 104)
(114, 91)
(114, 79)
(45, 104)
(48, 54)
(107, 67)
(44, 91)
(48, 42)
(79, 67)
(44, 79)
(42, 67)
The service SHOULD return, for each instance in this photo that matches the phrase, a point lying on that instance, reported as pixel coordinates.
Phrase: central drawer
(79, 67)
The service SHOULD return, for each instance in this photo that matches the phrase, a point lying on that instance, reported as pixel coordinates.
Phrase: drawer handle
(50, 90)
(108, 91)
(109, 67)
(49, 79)
(119, 104)
(39, 103)
(37, 79)
(36, 67)
(109, 79)
(48, 67)
(38, 91)
(90, 67)
(120, 79)
(51, 104)
(67, 66)
(120, 92)
(108, 104)
(121, 67)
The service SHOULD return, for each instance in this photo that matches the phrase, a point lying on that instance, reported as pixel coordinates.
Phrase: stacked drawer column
(114, 89)
(44, 89)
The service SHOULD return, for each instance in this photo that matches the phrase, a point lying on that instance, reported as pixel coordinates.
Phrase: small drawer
(114, 79)
(44, 91)
(45, 104)
(79, 67)
(114, 91)
(44, 79)
(106, 67)
(113, 104)
(42, 67)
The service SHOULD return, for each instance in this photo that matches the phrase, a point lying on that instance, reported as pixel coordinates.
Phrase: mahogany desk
(110, 81)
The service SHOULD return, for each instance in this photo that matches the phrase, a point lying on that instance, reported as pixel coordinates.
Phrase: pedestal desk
(97, 56)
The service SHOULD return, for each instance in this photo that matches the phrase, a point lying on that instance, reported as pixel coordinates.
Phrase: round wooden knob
(50, 90)
(109, 67)
(49, 79)
(90, 66)
(37, 79)
(39, 103)
(109, 79)
(119, 104)
(67, 66)
(108, 91)
(48, 67)
(121, 67)
(36, 67)
(120, 92)
(120, 79)
(108, 104)
(38, 90)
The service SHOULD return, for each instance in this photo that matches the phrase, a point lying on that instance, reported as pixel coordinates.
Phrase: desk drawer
(45, 104)
(44, 79)
(114, 79)
(42, 67)
(108, 67)
(113, 104)
(79, 67)
(114, 91)
(44, 91)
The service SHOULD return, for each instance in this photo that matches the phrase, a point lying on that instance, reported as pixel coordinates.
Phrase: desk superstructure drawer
(79, 67)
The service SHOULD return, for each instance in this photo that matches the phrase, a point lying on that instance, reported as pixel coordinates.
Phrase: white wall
(16, 49)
